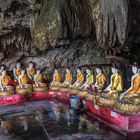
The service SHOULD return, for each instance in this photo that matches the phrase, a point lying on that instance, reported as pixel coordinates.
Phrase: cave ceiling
(31, 26)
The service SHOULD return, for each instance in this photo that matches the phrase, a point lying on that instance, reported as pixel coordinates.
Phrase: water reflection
(54, 120)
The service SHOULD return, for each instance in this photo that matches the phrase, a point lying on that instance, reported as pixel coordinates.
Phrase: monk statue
(24, 83)
(130, 99)
(116, 81)
(5, 88)
(68, 78)
(17, 71)
(39, 85)
(89, 79)
(134, 90)
(56, 78)
(111, 93)
(80, 79)
(100, 80)
(31, 70)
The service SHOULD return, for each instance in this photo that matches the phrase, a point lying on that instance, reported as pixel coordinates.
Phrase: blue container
(75, 102)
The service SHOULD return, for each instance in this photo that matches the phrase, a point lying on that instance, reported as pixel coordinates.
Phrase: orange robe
(32, 71)
(57, 78)
(68, 78)
(24, 79)
(80, 78)
(135, 86)
(101, 80)
(5, 80)
(18, 72)
(117, 82)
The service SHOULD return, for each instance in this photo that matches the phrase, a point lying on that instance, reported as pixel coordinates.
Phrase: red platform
(122, 122)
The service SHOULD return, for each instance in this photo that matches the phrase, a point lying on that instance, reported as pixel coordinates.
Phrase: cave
(70, 34)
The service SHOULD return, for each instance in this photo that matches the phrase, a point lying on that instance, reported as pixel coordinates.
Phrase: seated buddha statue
(5, 87)
(24, 86)
(79, 79)
(17, 71)
(100, 80)
(111, 93)
(39, 85)
(68, 78)
(56, 78)
(89, 79)
(31, 70)
(134, 90)
(130, 99)
(116, 81)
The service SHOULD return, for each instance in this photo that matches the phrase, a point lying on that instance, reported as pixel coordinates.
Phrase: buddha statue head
(98, 70)
(38, 71)
(78, 70)
(23, 72)
(68, 70)
(88, 71)
(114, 69)
(135, 68)
(3, 72)
(18, 65)
(31, 65)
(56, 71)
(2, 68)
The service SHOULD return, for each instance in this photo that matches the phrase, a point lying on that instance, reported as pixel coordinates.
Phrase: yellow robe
(90, 79)
(135, 86)
(5, 80)
(39, 78)
(32, 71)
(117, 82)
(101, 80)
(57, 78)
(80, 78)
(24, 79)
(18, 72)
(68, 78)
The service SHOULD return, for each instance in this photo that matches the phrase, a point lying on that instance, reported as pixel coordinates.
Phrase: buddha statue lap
(24, 87)
(5, 87)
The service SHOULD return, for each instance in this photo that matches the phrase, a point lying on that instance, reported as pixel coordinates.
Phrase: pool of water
(53, 120)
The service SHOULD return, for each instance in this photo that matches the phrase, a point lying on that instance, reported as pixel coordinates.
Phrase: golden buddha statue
(5, 88)
(89, 79)
(24, 86)
(111, 93)
(17, 71)
(68, 78)
(80, 79)
(130, 99)
(39, 86)
(31, 70)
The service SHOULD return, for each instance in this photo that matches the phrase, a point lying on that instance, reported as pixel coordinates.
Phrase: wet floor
(52, 120)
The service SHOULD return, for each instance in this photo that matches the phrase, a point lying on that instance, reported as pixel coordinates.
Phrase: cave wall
(61, 33)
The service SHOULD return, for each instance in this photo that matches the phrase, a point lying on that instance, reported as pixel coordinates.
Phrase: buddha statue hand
(122, 96)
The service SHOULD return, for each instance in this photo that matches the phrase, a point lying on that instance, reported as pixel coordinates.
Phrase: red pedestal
(12, 99)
